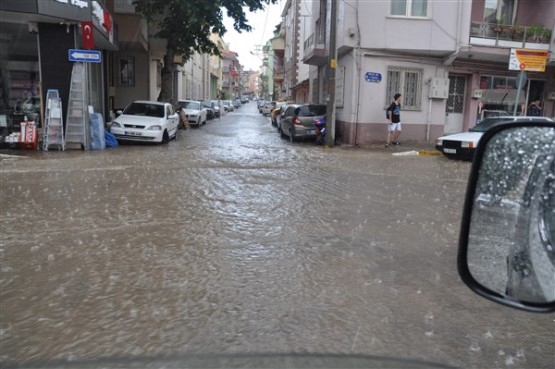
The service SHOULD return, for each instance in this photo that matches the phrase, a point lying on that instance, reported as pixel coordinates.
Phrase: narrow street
(230, 240)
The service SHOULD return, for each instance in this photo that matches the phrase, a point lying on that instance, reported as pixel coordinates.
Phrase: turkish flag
(88, 38)
(107, 21)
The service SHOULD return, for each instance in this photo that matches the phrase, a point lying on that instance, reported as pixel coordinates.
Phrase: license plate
(450, 151)
(310, 131)
(133, 133)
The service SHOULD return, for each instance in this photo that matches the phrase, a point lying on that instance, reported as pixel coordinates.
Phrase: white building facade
(427, 51)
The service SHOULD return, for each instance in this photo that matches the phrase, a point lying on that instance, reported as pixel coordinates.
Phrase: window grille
(407, 82)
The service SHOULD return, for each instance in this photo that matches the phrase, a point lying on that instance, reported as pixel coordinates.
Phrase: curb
(417, 153)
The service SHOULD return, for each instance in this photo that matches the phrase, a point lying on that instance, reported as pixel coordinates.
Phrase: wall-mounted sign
(84, 56)
(373, 77)
(528, 60)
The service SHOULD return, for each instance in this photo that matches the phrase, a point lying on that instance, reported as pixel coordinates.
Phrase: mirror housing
(506, 245)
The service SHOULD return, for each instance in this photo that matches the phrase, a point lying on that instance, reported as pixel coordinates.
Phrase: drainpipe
(358, 62)
(451, 58)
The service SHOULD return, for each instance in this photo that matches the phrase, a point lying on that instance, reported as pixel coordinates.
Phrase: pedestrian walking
(394, 125)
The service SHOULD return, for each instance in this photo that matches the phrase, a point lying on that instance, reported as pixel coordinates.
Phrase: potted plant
(498, 26)
(517, 31)
(537, 32)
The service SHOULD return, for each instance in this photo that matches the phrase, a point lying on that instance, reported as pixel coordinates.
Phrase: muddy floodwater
(233, 240)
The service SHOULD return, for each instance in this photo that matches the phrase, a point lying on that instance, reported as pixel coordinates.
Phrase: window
(127, 71)
(409, 8)
(407, 82)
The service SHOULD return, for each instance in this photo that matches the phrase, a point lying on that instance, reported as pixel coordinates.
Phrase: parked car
(463, 145)
(268, 107)
(217, 108)
(298, 121)
(195, 112)
(237, 103)
(228, 105)
(146, 121)
(278, 111)
(210, 110)
(260, 104)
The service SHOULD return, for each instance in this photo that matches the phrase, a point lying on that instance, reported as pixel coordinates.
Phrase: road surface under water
(232, 240)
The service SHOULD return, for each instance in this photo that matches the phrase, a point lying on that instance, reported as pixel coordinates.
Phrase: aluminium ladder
(54, 126)
(77, 114)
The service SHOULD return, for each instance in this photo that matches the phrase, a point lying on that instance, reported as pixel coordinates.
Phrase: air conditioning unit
(551, 95)
(477, 94)
(439, 88)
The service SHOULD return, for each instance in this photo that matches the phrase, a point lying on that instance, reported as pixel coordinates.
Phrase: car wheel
(165, 137)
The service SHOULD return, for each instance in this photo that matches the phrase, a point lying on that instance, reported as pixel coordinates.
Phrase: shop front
(35, 36)
(500, 95)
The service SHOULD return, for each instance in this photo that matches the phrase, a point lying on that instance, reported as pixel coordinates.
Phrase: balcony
(509, 36)
(315, 52)
(279, 73)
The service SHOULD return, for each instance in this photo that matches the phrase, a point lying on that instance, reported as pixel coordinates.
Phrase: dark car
(210, 109)
(297, 122)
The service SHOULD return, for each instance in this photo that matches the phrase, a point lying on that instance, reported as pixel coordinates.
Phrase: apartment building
(296, 17)
(447, 59)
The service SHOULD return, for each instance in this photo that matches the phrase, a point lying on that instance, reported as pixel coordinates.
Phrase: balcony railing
(513, 33)
(315, 52)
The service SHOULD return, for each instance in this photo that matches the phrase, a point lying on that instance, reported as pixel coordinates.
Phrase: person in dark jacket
(394, 125)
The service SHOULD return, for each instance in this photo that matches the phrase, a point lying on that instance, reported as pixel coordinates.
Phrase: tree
(187, 26)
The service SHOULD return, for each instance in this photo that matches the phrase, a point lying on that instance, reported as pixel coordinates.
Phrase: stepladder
(77, 115)
(53, 128)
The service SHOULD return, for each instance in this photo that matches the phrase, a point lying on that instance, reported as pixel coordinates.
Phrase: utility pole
(332, 64)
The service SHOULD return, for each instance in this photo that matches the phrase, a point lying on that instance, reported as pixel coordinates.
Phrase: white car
(195, 112)
(146, 121)
(463, 145)
(268, 107)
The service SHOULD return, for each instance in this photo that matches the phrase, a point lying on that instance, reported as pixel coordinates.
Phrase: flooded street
(232, 240)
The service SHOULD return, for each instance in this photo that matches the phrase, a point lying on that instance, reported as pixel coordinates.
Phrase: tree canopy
(187, 26)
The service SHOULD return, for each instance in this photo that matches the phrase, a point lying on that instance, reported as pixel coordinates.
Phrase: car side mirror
(507, 240)
(119, 112)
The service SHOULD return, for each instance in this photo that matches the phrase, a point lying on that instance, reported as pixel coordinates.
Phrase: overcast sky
(263, 24)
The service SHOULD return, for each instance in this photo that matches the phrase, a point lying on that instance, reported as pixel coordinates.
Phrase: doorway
(454, 109)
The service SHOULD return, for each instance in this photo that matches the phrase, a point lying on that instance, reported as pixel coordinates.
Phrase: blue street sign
(373, 77)
(84, 56)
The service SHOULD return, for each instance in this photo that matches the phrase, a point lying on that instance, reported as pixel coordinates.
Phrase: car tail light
(297, 121)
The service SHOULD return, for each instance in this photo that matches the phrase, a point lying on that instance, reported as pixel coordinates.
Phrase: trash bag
(110, 139)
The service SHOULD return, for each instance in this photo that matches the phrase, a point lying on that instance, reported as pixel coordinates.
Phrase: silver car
(297, 122)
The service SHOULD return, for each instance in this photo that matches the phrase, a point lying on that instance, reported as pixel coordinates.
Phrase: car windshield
(145, 109)
(193, 105)
(488, 123)
(207, 104)
(311, 110)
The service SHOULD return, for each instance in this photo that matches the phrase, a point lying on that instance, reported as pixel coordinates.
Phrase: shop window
(499, 94)
(407, 82)
(127, 71)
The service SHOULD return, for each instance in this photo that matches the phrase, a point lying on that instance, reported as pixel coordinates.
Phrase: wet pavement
(232, 240)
